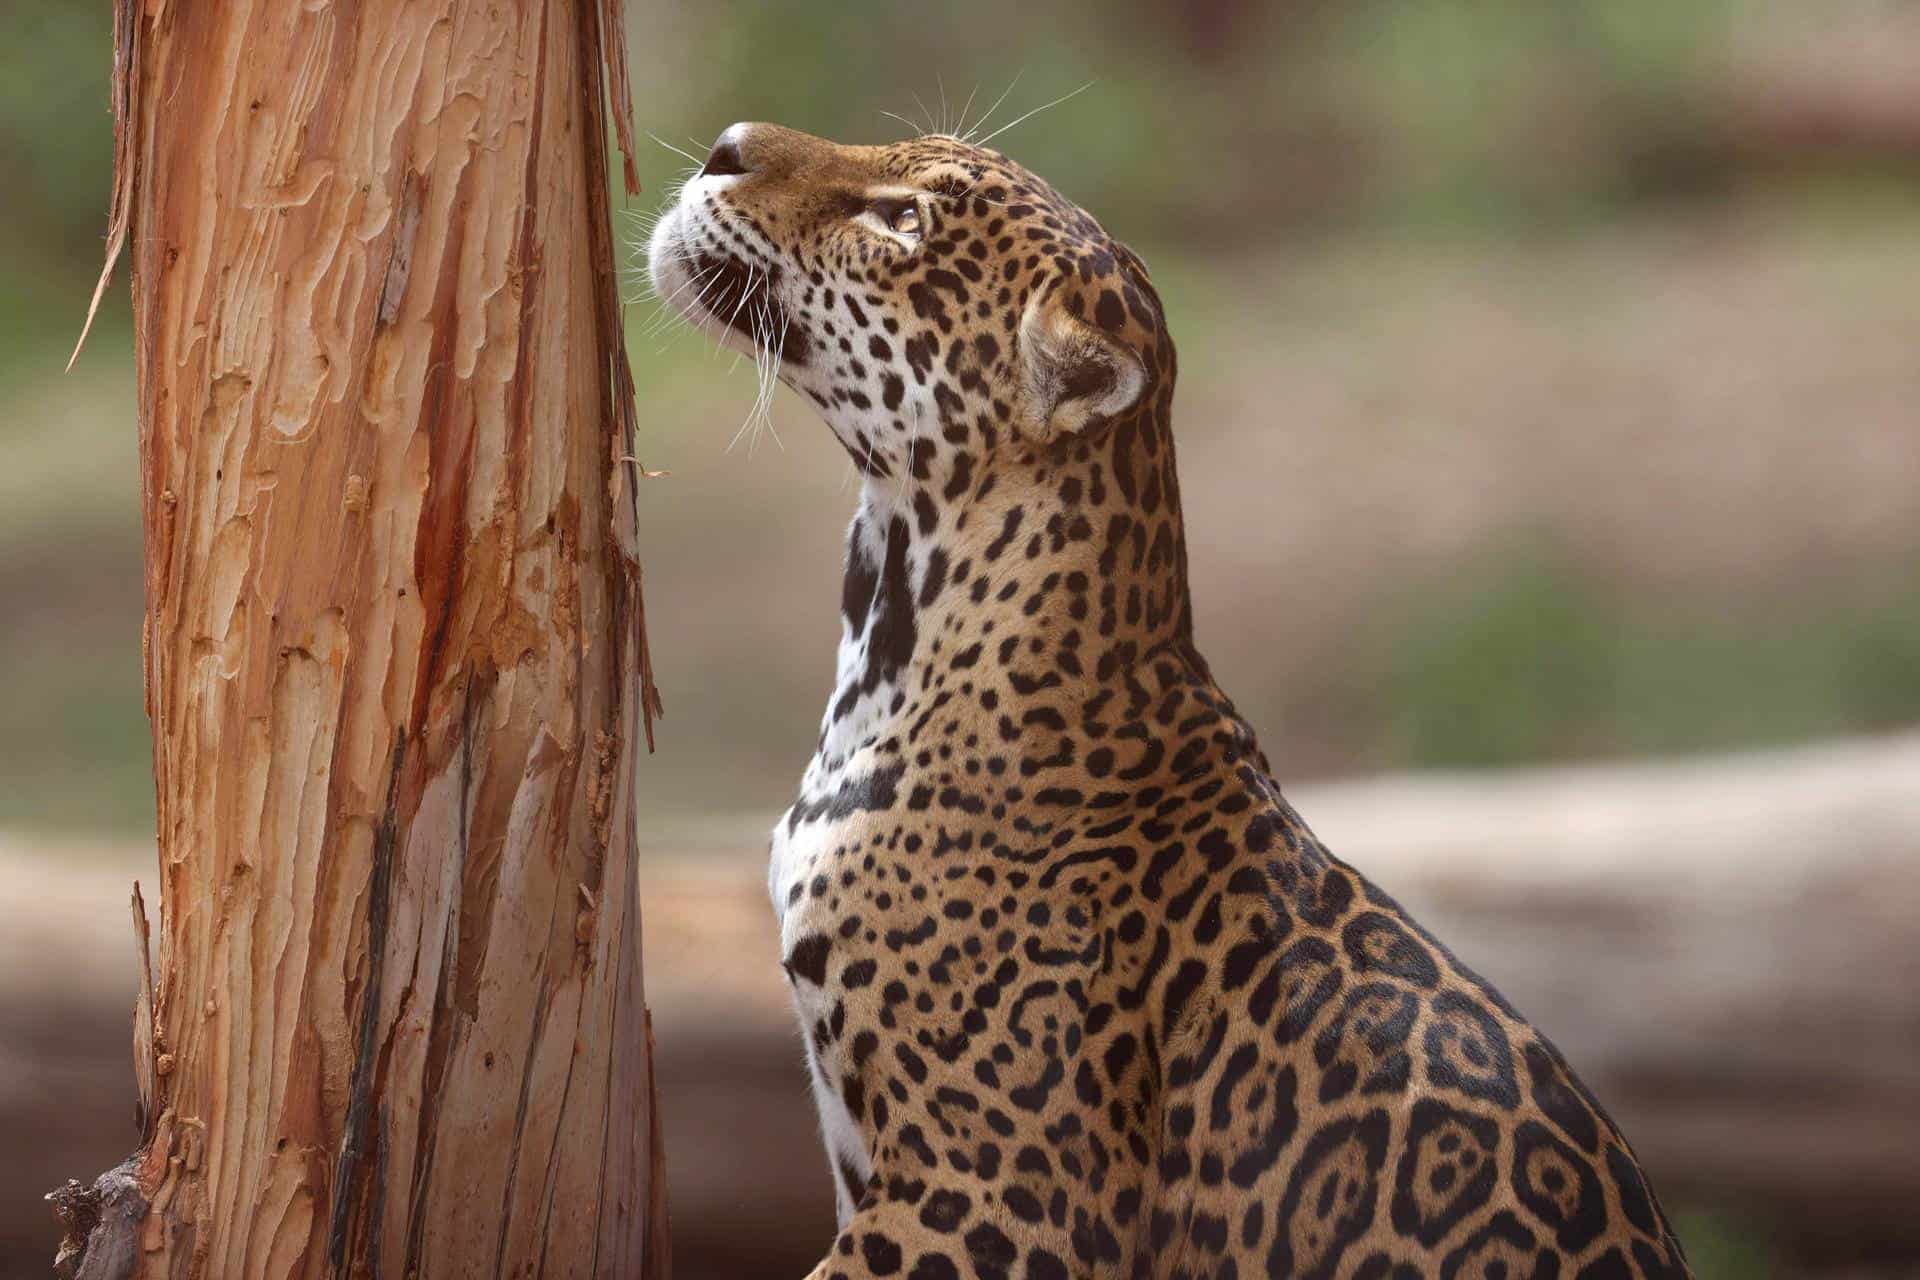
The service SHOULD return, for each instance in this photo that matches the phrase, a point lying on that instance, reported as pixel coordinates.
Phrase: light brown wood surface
(394, 645)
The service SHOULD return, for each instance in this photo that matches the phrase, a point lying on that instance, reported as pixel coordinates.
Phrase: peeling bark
(394, 648)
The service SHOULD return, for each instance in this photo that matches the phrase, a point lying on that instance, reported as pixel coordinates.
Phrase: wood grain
(394, 642)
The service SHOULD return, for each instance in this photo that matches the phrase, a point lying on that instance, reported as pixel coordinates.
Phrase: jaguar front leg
(909, 1227)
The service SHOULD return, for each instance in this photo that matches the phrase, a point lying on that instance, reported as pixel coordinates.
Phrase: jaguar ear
(1076, 375)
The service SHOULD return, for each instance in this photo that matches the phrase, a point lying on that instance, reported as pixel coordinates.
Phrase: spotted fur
(1082, 995)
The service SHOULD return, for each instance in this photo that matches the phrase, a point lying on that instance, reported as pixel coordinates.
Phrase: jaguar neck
(1041, 576)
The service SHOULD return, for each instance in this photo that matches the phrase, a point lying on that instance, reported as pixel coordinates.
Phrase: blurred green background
(1569, 346)
(1551, 377)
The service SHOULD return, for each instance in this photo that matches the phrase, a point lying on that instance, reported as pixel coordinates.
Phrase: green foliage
(1504, 113)
(1524, 656)
(83, 761)
(56, 126)
(56, 150)
(1205, 123)
(1721, 1246)
(1502, 666)
(1226, 120)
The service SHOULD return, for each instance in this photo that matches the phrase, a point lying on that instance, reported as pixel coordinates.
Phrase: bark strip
(349, 1194)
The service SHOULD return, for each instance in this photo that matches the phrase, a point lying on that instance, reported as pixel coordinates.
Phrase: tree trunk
(394, 649)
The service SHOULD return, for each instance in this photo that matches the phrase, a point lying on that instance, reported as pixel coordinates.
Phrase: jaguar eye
(902, 217)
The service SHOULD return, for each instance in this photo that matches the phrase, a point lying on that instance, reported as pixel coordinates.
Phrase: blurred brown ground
(1744, 1009)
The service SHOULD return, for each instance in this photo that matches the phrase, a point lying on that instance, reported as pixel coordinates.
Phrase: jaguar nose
(725, 159)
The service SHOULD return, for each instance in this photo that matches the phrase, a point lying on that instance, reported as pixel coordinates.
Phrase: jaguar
(1081, 993)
